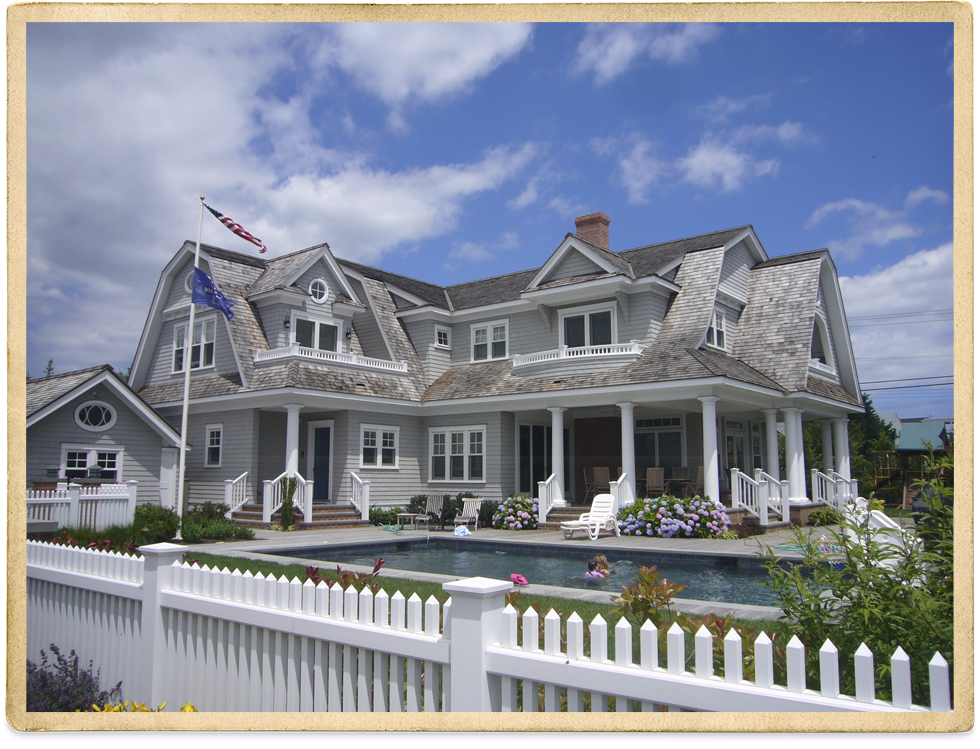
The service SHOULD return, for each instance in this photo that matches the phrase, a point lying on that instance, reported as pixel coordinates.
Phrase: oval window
(188, 282)
(95, 416)
(319, 290)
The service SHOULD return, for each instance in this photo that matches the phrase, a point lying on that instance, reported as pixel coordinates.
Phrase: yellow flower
(188, 708)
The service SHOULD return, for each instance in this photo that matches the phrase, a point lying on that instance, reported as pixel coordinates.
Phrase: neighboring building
(680, 354)
(88, 427)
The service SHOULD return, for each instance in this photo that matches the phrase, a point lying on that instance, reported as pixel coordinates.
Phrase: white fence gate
(75, 506)
(228, 641)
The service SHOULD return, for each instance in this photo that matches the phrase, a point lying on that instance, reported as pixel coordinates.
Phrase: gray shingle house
(682, 355)
(88, 427)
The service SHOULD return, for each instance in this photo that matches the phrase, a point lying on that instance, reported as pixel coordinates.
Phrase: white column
(842, 450)
(826, 434)
(709, 429)
(628, 450)
(772, 443)
(794, 454)
(558, 448)
(292, 438)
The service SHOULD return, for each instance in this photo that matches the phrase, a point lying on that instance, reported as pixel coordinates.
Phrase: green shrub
(729, 535)
(191, 531)
(670, 517)
(156, 523)
(63, 687)
(518, 513)
(748, 527)
(244, 533)
(823, 516)
(488, 509)
(385, 515)
(647, 596)
(208, 512)
(288, 485)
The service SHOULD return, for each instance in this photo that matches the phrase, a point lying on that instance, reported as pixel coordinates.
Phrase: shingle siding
(239, 453)
(574, 264)
(735, 271)
(368, 332)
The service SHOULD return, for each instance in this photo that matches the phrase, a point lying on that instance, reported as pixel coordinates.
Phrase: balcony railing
(633, 348)
(330, 357)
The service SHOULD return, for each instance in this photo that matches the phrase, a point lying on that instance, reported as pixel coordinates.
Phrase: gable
(320, 270)
(735, 269)
(573, 265)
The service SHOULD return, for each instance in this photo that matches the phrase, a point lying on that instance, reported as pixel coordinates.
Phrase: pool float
(518, 579)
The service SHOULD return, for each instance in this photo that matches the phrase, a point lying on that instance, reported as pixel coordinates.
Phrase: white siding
(389, 487)
(161, 363)
(368, 332)
(735, 269)
(239, 453)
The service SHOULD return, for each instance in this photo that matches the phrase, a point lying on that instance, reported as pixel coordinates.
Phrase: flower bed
(668, 516)
(518, 513)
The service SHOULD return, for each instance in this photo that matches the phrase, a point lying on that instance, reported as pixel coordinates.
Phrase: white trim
(379, 429)
(821, 327)
(338, 273)
(567, 245)
(717, 314)
(489, 326)
(311, 427)
(466, 431)
(220, 429)
(189, 282)
(89, 427)
(585, 311)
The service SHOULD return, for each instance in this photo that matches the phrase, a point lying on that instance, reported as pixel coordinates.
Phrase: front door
(168, 477)
(321, 464)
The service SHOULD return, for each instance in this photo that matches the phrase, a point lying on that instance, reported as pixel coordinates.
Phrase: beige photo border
(959, 14)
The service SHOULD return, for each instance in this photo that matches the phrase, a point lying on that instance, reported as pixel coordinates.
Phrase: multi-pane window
(319, 290)
(202, 345)
(588, 327)
(212, 454)
(716, 330)
(443, 339)
(315, 334)
(490, 341)
(457, 454)
(379, 446)
(80, 460)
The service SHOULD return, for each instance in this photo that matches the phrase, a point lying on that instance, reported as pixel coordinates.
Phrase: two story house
(683, 354)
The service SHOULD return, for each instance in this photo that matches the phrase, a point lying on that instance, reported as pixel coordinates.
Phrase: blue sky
(462, 151)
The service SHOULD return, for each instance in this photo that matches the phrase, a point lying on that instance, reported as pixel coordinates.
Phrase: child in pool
(602, 564)
(594, 572)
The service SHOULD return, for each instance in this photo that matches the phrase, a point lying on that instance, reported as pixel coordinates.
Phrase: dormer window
(202, 346)
(821, 358)
(588, 326)
(716, 330)
(444, 337)
(319, 291)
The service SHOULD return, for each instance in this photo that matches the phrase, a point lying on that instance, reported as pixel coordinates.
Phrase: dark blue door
(321, 464)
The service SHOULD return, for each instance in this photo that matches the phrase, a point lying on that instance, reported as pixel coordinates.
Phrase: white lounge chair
(601, 516)
(470, 513)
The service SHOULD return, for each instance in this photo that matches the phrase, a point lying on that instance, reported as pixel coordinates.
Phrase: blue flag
(206, 293)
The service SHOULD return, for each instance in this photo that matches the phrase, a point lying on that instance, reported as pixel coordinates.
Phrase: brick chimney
(594, 228)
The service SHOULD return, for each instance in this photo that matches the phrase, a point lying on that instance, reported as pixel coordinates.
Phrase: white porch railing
(286, 645)
(360, 495)
(760, 495)
(622, 492)
(633, 348)
(333, 357)
(833, 489)
(236, 493)
(272, 496)
(75, 506)
(549, 496)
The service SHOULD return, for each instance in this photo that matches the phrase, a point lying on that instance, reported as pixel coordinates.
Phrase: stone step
(323, 517)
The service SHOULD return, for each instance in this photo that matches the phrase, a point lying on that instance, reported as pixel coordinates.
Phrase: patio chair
(655, 482)
(697, 488)
(601, 516)
(470, 513)
(433, 511)
(600, 474)
(589, 483)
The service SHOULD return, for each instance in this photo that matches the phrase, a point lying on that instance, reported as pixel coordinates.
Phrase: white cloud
(609, 50)
(639, 169)
(528, 197)
(919, 283)
(788, 133)
(720, 166)
(721, 108)
(924, 193)
(477, 252)
(870, 224)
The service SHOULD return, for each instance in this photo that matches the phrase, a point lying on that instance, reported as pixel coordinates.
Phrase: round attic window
(319, 290)
(95, 416)
(188, 282)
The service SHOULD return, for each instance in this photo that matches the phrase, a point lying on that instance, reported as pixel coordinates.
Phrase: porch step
(323, 517)
(559, 515)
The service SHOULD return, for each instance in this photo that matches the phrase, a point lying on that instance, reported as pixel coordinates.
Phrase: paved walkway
(267, 543)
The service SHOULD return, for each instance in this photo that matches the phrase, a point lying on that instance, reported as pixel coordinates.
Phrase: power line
(903, 314)
(903, 358)
(897, 283)
(903, 322)
(907, 379)
(912, 387)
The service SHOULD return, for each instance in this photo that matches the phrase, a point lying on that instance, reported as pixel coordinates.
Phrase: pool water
(714, 579)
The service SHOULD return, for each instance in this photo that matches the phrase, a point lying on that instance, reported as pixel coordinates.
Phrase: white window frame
(586, 311)
(449, 337)
(319, 320)
(379, 431)
(326, 291)
(447, 433)
(711, 336)
(189, 282)
(821, 367)
(208, 431)
(88, 427)
(188, 346)
(488, 328)
(92, 456)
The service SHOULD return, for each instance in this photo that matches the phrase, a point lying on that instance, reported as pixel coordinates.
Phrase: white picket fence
(75, 506)
(227, 641)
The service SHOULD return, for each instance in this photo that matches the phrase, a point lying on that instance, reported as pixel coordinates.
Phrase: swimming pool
(709, 578)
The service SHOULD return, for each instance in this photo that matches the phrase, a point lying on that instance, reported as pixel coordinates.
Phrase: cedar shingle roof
(45, 390)
(202, 386)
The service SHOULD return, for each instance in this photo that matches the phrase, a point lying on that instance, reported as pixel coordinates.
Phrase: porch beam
(709, 429)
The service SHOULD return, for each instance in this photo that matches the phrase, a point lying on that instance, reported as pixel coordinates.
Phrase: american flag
(236, 228)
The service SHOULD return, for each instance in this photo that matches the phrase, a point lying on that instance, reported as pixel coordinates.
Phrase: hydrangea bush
(518, 513)
(667, 517)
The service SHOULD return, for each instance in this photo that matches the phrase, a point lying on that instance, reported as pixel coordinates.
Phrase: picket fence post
(131, 501)
(74, 491)
(158, 560)
(477, 616)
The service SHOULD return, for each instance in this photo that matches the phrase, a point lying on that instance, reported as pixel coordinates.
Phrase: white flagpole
(188, 348)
